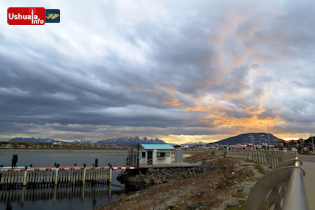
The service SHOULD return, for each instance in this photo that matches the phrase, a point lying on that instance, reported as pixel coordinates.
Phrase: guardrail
(283, 187)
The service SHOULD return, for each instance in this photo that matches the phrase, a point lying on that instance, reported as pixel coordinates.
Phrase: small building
(153, 154)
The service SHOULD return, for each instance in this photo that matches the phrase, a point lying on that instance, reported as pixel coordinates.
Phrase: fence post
(110, 175)
(56, 176)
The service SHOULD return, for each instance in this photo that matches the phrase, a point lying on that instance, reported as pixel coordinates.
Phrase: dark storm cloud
(188, 68)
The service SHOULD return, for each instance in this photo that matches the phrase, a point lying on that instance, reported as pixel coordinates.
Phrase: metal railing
(283, 187)
(295, 197)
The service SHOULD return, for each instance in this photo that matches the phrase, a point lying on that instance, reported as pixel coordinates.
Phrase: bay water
(79, 201)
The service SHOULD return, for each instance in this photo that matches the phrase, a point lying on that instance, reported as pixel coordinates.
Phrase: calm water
(71, 198)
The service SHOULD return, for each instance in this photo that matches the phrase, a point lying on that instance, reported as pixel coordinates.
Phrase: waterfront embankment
(227, 182)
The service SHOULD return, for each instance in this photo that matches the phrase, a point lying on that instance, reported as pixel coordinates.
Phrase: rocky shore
(164, 175)
(219, 185)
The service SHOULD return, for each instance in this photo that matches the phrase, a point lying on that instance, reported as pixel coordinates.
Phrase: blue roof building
(153, 154)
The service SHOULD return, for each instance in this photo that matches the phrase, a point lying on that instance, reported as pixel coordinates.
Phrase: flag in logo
(52, 16)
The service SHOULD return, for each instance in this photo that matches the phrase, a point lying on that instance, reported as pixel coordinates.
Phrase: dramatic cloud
(177, 70)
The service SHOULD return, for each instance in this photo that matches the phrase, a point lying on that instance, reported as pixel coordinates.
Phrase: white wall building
(153, 154)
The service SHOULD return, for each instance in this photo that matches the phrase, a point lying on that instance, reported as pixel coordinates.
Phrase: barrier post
(56, 177)
(25, 174)
(84, 176)
(110, 175)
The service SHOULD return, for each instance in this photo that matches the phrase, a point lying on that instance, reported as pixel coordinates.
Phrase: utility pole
(252, 139)
(259, 139)
(312, 140)
(268, 133)
(268, 136)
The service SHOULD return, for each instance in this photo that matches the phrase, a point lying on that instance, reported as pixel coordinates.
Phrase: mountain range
(126, 141)
(34, 140)
(240, 139)
(121, 141)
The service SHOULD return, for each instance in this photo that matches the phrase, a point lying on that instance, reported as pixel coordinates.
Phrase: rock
(210, 201)
(192, 206)
(151, 170)
(131, 197)
(166, 173)
(164, 178)
(232, 204)
(132, 179)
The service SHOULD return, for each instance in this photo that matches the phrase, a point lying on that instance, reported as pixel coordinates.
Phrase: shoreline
(229, 183)
(89, 151)
(65, 150)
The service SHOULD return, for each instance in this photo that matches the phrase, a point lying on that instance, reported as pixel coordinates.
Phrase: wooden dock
(62, 176)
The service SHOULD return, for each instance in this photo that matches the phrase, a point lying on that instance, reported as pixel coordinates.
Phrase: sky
(180, 70)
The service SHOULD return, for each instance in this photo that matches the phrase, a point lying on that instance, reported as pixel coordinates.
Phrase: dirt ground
(231, 181)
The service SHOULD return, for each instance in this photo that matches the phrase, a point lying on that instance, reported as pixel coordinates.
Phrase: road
(309, 180)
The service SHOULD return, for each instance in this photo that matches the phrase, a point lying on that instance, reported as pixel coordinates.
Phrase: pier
(49, 176)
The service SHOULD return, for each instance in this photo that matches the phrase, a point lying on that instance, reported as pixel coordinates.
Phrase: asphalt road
(309, 179)
(307, 158)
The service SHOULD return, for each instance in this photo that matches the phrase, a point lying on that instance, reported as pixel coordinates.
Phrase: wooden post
(56, 176)
(24, 180)
(110, 175)
(83, 177)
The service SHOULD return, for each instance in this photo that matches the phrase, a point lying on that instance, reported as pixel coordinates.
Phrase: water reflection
(24, 194)
(9, 207)
(64, 197)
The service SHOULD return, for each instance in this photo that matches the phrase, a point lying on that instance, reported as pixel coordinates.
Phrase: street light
(268, 133)
(312, 140)
(259, 139)
(252, 139)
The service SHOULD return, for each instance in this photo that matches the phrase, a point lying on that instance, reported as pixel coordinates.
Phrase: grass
(249, 161)
(199, 156)
(260, 168)
(239, 195)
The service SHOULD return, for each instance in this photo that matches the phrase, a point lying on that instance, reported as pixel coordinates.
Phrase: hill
(245, 138)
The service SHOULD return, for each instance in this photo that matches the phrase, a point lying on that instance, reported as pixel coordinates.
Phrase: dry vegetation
(198, 156)
(230, 181)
